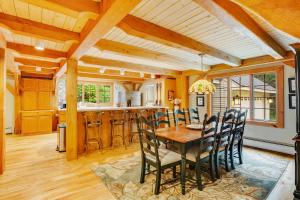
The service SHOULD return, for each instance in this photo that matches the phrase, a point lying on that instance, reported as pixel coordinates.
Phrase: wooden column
(71, 111)
(182, 87)
(2, 108)
(17, 105)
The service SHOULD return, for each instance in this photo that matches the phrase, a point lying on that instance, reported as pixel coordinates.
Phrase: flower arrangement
(202, 87)
(176, 101)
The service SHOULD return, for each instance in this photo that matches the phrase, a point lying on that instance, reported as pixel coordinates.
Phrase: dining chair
(198, 153)
(224, 138)
(236, 147)
(152, 154)
(179, 116)
(162, 118)
(193, 114)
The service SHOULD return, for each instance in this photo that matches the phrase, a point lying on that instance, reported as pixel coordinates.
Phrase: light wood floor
(35, 171)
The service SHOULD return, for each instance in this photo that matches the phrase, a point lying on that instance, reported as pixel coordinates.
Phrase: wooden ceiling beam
(30, 50)
(109, 77)
(111, 72)
(149, 31)
(126, 65)
(239, 21)
(32, 69)
(40, 63)
(137, 52)
(35, 29)
(36, 75)
(110, 14)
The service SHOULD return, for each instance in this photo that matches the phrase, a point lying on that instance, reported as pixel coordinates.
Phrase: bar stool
(117, 121)
(132, 125)
(93, 127)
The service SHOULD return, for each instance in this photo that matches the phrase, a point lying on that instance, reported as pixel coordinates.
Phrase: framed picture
(292, 85)
(171, 95)
(292, 101)
(200, 101)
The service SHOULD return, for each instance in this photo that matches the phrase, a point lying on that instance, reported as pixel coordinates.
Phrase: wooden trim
(279, 70)
(2, 108)
(36, 75)
(32, 69)
(10, 88)
(71, 110)
(140, 28)
(30, 50)
(35, 29)
(17, 104)
(239, 21)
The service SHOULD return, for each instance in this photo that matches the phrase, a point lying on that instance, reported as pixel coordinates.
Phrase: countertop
(85, 109)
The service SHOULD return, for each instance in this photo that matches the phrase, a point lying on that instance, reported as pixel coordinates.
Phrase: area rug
(254, 179)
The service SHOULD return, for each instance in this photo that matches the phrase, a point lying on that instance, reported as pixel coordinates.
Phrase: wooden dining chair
(152, 154)
(179, 116)
(224, 138)
(194, 115)
(162, 118)
(197, 154)
(236, 147)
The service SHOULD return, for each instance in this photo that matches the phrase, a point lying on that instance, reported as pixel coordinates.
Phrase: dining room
(149, 99)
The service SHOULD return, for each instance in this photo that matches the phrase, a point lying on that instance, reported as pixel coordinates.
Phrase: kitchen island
(106, 117)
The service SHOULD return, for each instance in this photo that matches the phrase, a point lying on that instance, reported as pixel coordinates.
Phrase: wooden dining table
(183, 138)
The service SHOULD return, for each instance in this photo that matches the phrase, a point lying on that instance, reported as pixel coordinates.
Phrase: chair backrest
(240, 122)
(161, 117)
(148, 143)
(194, 115)
(226, 130)
(209, 133)
(179, 116)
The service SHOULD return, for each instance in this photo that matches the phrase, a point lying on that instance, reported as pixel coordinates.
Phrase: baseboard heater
(269, 145)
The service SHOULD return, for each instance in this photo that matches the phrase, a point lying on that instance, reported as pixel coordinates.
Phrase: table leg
(183, 168)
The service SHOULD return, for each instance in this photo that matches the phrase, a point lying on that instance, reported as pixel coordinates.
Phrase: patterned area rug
(254, 179)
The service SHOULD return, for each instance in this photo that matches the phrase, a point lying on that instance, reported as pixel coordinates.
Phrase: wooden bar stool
(93, 127)
(117, 122)
(132, 125)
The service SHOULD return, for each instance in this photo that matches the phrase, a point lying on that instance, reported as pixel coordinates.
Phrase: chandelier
(202, 86)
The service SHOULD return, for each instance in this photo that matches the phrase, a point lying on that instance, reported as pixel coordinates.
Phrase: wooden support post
(17, 105)
(2, 108)
(182, 87)
(71, 111)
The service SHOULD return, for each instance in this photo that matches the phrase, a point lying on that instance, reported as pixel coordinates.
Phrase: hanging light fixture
(202, 86)
(122, 72)
(39, 46)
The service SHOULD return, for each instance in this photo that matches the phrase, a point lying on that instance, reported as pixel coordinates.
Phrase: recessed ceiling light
(38, 69)
(40, 46)
(102, 70)
(122, 72)
(152, 75)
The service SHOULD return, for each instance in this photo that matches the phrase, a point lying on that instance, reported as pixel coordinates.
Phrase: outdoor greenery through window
(256, 93)
(95, 93)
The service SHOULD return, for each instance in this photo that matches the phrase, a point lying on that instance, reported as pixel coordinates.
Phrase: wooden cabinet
(36, 122)
(29, 100)
(45, 85)
(29, 122)
(30, 84)
(44, 100)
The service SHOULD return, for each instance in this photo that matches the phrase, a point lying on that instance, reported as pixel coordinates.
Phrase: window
(257, 92)
(95, 93)
(220, 97)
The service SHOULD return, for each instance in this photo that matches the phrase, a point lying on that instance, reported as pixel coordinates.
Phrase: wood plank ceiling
(190, 30)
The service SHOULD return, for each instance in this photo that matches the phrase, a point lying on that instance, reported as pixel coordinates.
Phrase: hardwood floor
(34, 170)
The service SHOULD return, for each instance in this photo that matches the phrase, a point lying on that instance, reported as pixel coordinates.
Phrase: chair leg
(211, 167)
(198, 176)
(232, 157)
(143, 170)
(226, 159)
(240, 146)
(157, 182)
(217, 164)
(174, 171)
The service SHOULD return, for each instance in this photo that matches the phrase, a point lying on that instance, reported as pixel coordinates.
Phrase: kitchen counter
(105, 129)
(93, 109)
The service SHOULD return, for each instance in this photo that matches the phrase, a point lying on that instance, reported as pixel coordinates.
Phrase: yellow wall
(169, 84)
